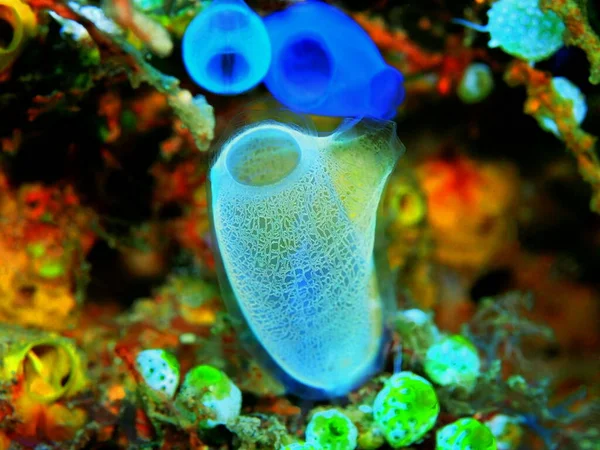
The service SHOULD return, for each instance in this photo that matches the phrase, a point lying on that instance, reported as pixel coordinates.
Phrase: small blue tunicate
(476, 84)
(324, 63)
(567, 91)
(226, 48)
(522, 29)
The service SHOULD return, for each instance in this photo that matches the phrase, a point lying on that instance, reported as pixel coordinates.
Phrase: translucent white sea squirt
(294, 218)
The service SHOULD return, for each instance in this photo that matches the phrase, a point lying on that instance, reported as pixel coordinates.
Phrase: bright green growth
(299, 446)
(465, 434)
(405, 409)
(159, 370)
(453, 361)
(568, 92)
(522, 29)
(331, 430)
(476, 83)
(36, 250)
(51, 269)
(210, 388)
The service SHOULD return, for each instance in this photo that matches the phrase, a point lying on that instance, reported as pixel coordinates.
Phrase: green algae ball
(476, 83)
(453, 361)
(331, 430)
(523, 30)
(465, 434)
(207, 388)
(159, 370)
(569, 92)
(405, 409)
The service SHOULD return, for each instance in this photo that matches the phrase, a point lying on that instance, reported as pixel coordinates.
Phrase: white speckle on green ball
(212, 389)
(405, 409)
(523, 30)
(159, 370)
(567, 91)
(465, 434)
(331, 430)
(298, 446)
(453, 361)
(476, 83)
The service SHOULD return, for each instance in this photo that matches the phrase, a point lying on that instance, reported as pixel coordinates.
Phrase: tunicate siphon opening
(47, 370)
(228, 66)
(7, 30)
(306, 69)
(263, 156)
(386, 91)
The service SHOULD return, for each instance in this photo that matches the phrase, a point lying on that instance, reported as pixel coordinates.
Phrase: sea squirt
(226, 48)
(294, 218)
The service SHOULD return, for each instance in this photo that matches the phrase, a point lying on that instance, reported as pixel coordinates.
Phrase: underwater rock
(405, 409)
(335, 70)
(331, 430)
(294, 219)
(226, 48)
(465, 434)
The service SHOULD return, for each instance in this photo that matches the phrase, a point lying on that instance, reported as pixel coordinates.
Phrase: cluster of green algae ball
(207, 395)
(406, 409)
(465, 434)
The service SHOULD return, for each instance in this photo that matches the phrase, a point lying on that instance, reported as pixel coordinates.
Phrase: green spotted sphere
(522, 29)
(453, 361)
(331, 430)
(405, 409)
(159, 370)
(465, 434)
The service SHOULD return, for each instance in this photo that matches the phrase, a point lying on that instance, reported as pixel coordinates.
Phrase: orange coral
(542, 99)
(579, 31)
(45, 235)
(414, 58)
(469, 206)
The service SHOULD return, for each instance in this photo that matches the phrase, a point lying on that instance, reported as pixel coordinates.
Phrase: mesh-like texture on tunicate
(298, 253)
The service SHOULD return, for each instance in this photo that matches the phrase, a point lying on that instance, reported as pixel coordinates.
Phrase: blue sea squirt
(294, 218)
(333, 70)
(226, 48)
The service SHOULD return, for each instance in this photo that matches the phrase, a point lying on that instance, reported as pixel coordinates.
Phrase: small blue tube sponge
(329, 70)
(226, 48)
